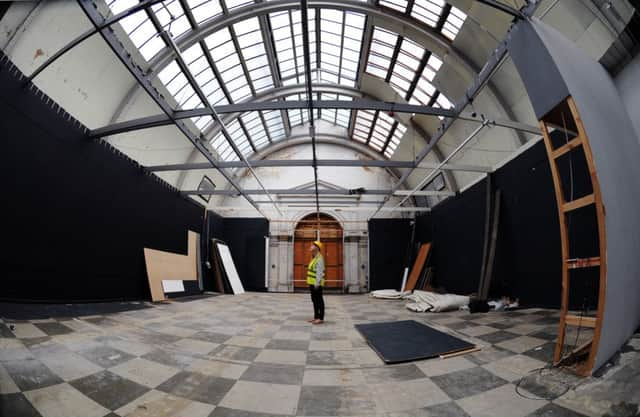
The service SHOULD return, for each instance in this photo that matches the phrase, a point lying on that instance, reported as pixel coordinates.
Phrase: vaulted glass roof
(250, 58)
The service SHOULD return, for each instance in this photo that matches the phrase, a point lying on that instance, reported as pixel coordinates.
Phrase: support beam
(356, 104)
(144, 80)
(321, 162)
(310, 192)
(304, 9)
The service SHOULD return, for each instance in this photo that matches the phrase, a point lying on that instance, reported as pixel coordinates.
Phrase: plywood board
(417, 266)
(170, 266)
(230, 268)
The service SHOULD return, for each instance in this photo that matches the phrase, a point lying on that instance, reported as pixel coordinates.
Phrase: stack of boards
(227, 280)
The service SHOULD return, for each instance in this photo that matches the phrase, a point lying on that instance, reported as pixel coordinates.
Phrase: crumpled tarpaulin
(389, 294)
(422, 301)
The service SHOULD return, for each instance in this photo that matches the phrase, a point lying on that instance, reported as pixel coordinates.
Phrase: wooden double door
(331, 237)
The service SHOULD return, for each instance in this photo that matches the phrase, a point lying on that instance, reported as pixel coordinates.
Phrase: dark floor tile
(392, 373)
(501, 326)
(467, 382)
(497, 337)
(546, 320)
(553, 410)
(457, 325)
(275, 374)
(155, 338)
(101, 321)
(16, 405)
(229, 412)
(106, 356)
(177, 360)
(197, 387)
(211, 337)
(237, 353)
(488, 354)
(5, 331)
(35, 341)
(550, 333)
(54, 328)
(332, 401)
(288, 344)
(445, 410)
(542, 353)
(30, 374)
(326, 336)
(108, 389)
(322, 357)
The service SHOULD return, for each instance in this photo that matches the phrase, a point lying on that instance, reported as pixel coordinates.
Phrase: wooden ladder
(578, 144)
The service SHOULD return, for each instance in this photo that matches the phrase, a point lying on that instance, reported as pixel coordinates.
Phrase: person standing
(315, 280)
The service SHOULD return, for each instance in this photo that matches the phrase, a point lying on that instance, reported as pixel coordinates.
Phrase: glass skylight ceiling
(231, 65)
(378, 130)
(435, 13)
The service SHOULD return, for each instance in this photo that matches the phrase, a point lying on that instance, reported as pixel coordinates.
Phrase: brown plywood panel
(417, 267)
(170, 266)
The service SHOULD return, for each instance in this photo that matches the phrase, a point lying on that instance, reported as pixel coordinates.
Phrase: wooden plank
(584, 321)
(461, 352)
(170, 266)
(568, 147)
(564, 242)
(601, 235)
(578, 203)
(495, 222)
(417, 266)
(583, 262)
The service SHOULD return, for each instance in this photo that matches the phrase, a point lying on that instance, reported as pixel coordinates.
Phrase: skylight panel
(252, 48)
(239, 138)
(228, 64)
(172, 17)
(233, 4)
(382, 45)
(275, 125)
(453, 23)
(256, 130)
(204, 10)
(118, 6)
(362, 126)
(286, 29)
(428, 11)
(394, 140)
(400, 5)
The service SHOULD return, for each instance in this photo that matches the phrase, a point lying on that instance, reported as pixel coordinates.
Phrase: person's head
(315, 248)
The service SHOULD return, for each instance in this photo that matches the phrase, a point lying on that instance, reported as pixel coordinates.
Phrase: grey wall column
(616, 152)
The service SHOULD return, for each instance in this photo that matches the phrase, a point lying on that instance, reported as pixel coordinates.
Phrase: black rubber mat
(408, 340)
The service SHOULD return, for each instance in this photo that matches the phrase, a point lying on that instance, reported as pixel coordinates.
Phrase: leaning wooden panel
(170, 266)
(418, 265)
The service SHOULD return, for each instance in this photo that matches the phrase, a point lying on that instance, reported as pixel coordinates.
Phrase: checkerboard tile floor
(254, 355)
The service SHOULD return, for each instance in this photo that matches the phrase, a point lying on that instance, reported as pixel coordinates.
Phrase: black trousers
(318, 302)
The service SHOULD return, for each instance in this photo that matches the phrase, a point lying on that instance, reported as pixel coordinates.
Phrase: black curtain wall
(76, 213)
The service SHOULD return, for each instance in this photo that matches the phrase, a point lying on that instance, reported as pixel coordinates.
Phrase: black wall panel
(245, 238)
(458, 238)
(76, 215)
(528, 254)
(389, 241)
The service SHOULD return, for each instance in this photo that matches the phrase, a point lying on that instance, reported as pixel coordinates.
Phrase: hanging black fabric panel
(245, 238)
(78, 213)
(388, 243)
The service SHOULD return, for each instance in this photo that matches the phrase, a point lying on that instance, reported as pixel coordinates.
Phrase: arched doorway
(331, 237)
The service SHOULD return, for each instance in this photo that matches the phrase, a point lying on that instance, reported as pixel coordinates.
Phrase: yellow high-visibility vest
(311, 272)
